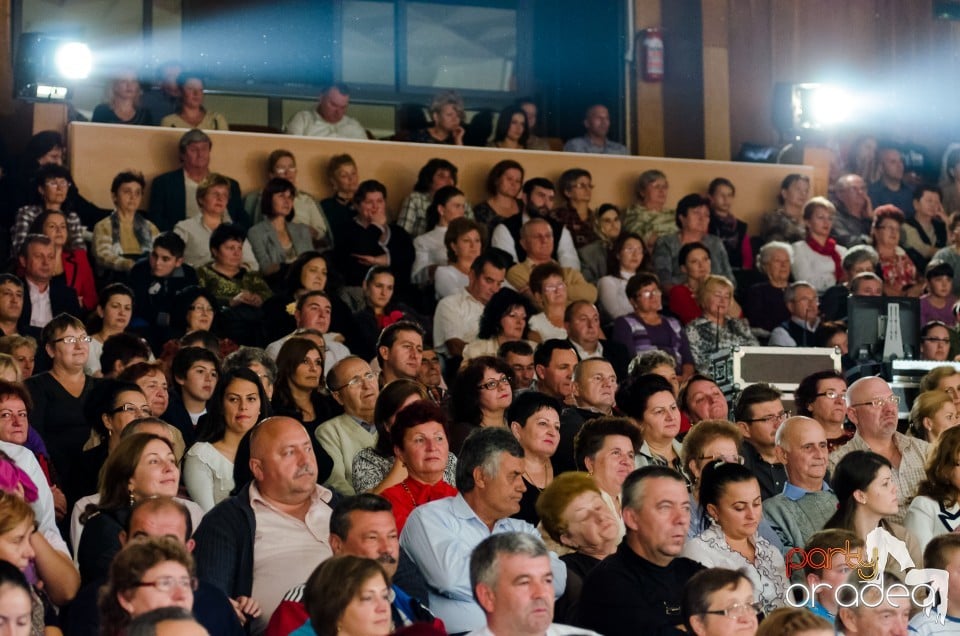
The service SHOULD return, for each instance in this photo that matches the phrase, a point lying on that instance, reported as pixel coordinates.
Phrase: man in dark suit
(169, 201)
(582, 322)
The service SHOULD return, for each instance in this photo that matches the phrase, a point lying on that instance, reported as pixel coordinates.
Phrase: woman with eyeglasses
(146, 575)
(59, 397)
(550, 293)
(484, 390)
(730, 501)
(237, 405)
(720, 602)
(868, 495)
(822, 396)
(899, 274)
(647, 328)
(504, 319)
(936, 508)
(715, 330)
(51, 186)
(576, 188)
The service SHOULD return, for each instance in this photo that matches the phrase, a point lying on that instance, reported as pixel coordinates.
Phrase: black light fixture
(47, 66)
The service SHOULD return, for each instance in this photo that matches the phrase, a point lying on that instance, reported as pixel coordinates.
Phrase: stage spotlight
(46, 66)
(74, 60)
(809, 106)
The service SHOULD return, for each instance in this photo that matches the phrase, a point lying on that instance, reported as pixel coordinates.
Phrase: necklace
(403, 484)
(545, 476)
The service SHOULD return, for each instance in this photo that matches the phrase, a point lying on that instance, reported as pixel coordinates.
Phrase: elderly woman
(51, 184)
(715, 331)
(693, 221)
(503, 189)
(535, 421)
(733, 590)
(431, 251)
(730, 499)
(277, 240)
(605, 448)
(951, 253)
(786, 222)
(763, 305)
(651, 402)
(281, 164)
(446, 111)
(857, 260)
(933, 412)
(213, 194)
(595, 257)
(420, 442)
(504, 319)
(576, 187)
(818, 259)
(69, 261)
(464, 240)
(899, 274)
(627, 258)
(649, 216)
(484, 392)
(190, 111)
(434, 175)
(343, 177)
(123, 102)
(936, 508)
(550, 293)
(125, 236)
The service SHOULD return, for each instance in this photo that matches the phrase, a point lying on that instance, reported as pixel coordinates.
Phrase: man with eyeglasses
(873, 408)
(822, 396)
(759, 412)
(536, 237)
(355, 387)
(595, 393)
(806, 502)
(934, 341)
(800, 329)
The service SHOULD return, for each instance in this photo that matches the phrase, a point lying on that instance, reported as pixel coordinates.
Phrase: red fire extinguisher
(652, 55)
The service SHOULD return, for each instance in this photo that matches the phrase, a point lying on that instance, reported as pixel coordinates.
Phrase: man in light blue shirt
(440, 536)
(597, 123)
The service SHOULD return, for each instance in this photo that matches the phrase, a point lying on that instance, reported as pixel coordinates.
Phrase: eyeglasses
(830, 394)
(737, 610)
(554, 288)
(940, 340)
(369, 376)
(769, 419)
(73, 339)
(58, 183)
(203, 309)
(727, 459)
(650, 293)
(143, 410)
(878, 402)
(166, 583)
(491, 385)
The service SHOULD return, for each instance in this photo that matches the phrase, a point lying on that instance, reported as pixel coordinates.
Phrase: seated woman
(932, 414)
(504, 182)
(818, 259)
(126, 236)
(484, 392)
(730, 498)
(650, 401)
(431, 252)
(310, 272)
(867, 493)
(627, 259)
(900, 277)
(951, 253)
(534, 419)
(786, 222)
(299, 391)
(550, 293)
(512, 130)
(195, 311)
(70, 262)
(650, 217)
(343, 176)
(349, 595)
(936, 508)
(23, 350)
(465, 240)
(446, 111)
(605, 448)
(858, 260)
(281, 164)
(277, 241)
(595, 257)
(238, 404)
(50, 186)
(926, 231)
(152, 380)
(435, 174)
(239, 291)
(420, 442)
(695, 263)
(576, 187)
(123, 102)
(213, 193)
(726, 226)
(693, 219)
(730, 589)
(763, 305)
(379, 310)
(190, 111)
(24, 606)
(647, 328)
(715, 330)
(114, 311)
(504, 318)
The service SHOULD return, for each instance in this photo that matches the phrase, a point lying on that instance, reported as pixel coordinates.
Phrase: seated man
(155, 281)
(829, 575)
(758, 413)
(45, 295)
(582, 322)
(11, 303)
(942, 553)
(596, 121)
(430, 375)
(440, 535)
(890, 188)
(852, 224)
(867, 609)
(536, 237)
(399, 351)
(537, 196)
(329, 118)
(519, 355)
(456, 320)
(594, 394)
(122, 350)
(803, 305)
(555, 361)
(314, 311)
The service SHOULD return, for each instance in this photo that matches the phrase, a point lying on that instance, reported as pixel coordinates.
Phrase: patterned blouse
(650, 224)
(369, 469)
(580, 229)
(779, 226)
(224, 288)
(706, 338)
(898, 271)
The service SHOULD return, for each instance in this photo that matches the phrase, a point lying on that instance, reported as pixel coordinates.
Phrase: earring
(132, 500)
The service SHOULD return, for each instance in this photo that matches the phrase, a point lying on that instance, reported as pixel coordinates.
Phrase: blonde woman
(933, 413)
(715, 331)
(123, 102)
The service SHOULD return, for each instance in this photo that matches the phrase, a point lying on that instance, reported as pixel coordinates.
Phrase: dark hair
(36, 227)
(185, 299)
(714, 480)
(589, 439)
(499, 306)
(568, 178)
(701, 586)
(938, 267)
(494, 256)
(368, 187)
(127, 176)
(631, 489)
(333, 585)
(119, 468)
(544, 352)
(377, 270)
(10, 278)
(19, 390)
(937, 553)
(466, 408)
(122, 347)
(505, 119)
(296, 270)
(459, 227)
(203, 339)
(338, 161)
(275, 185)
(153, 504)
(291, 354)
(11, 575)
(415, 414)
(101, 401)
(499, 169)
(806, 392)
(788, 181)
(720, 181)
(689, 247)
(390, 333)
(29, 240)
(363, 502)
(688, 203)
(529, 403)
(429, 171)
(172, 242)
(754, 394)
(613, 255)
(888, 211)
(59, 324)
(825, 540)
(146, 624)
(537, 182)
(541, 273)
(638, 281)
(827, 330)
(226, 232)
(516, 347)
(923, 188)
(855, 471)
(941, 463)
(633, 397)
(440, 198)
(391, 396)
(482, 449)
(212, 426)
(186, 357)
(44, 174)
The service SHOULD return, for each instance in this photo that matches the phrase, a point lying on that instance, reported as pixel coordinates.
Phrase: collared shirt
(440, 536)
(457, 316)
(41, 310)
(566, 251)
(286, 549)
(584, 354)
(584, 144)
(772, 477)
(780, 337)
(795, 493)
(577, 286)
(309, 123)
(913, 457)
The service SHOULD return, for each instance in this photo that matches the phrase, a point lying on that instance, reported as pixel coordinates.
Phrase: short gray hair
(647, 361)
(767, 250)
(146, 623)
(790, 293)
(485, 559)
(858, 254)
(483, 448)
(243, 357)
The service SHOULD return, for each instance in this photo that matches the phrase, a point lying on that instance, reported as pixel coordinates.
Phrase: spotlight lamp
(47, 66)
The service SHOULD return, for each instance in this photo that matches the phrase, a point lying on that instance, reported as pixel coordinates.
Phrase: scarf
(828, 249)
(141, 228)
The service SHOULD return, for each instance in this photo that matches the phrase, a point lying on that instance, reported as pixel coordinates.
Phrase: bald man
(806, 501)
(283, 509)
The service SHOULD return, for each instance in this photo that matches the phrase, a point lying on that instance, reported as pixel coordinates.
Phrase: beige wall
(99, 151)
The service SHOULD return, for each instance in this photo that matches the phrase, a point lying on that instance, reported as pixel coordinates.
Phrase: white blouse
(542, 325)
(816, 269)
(207, 474)
(612, 295)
